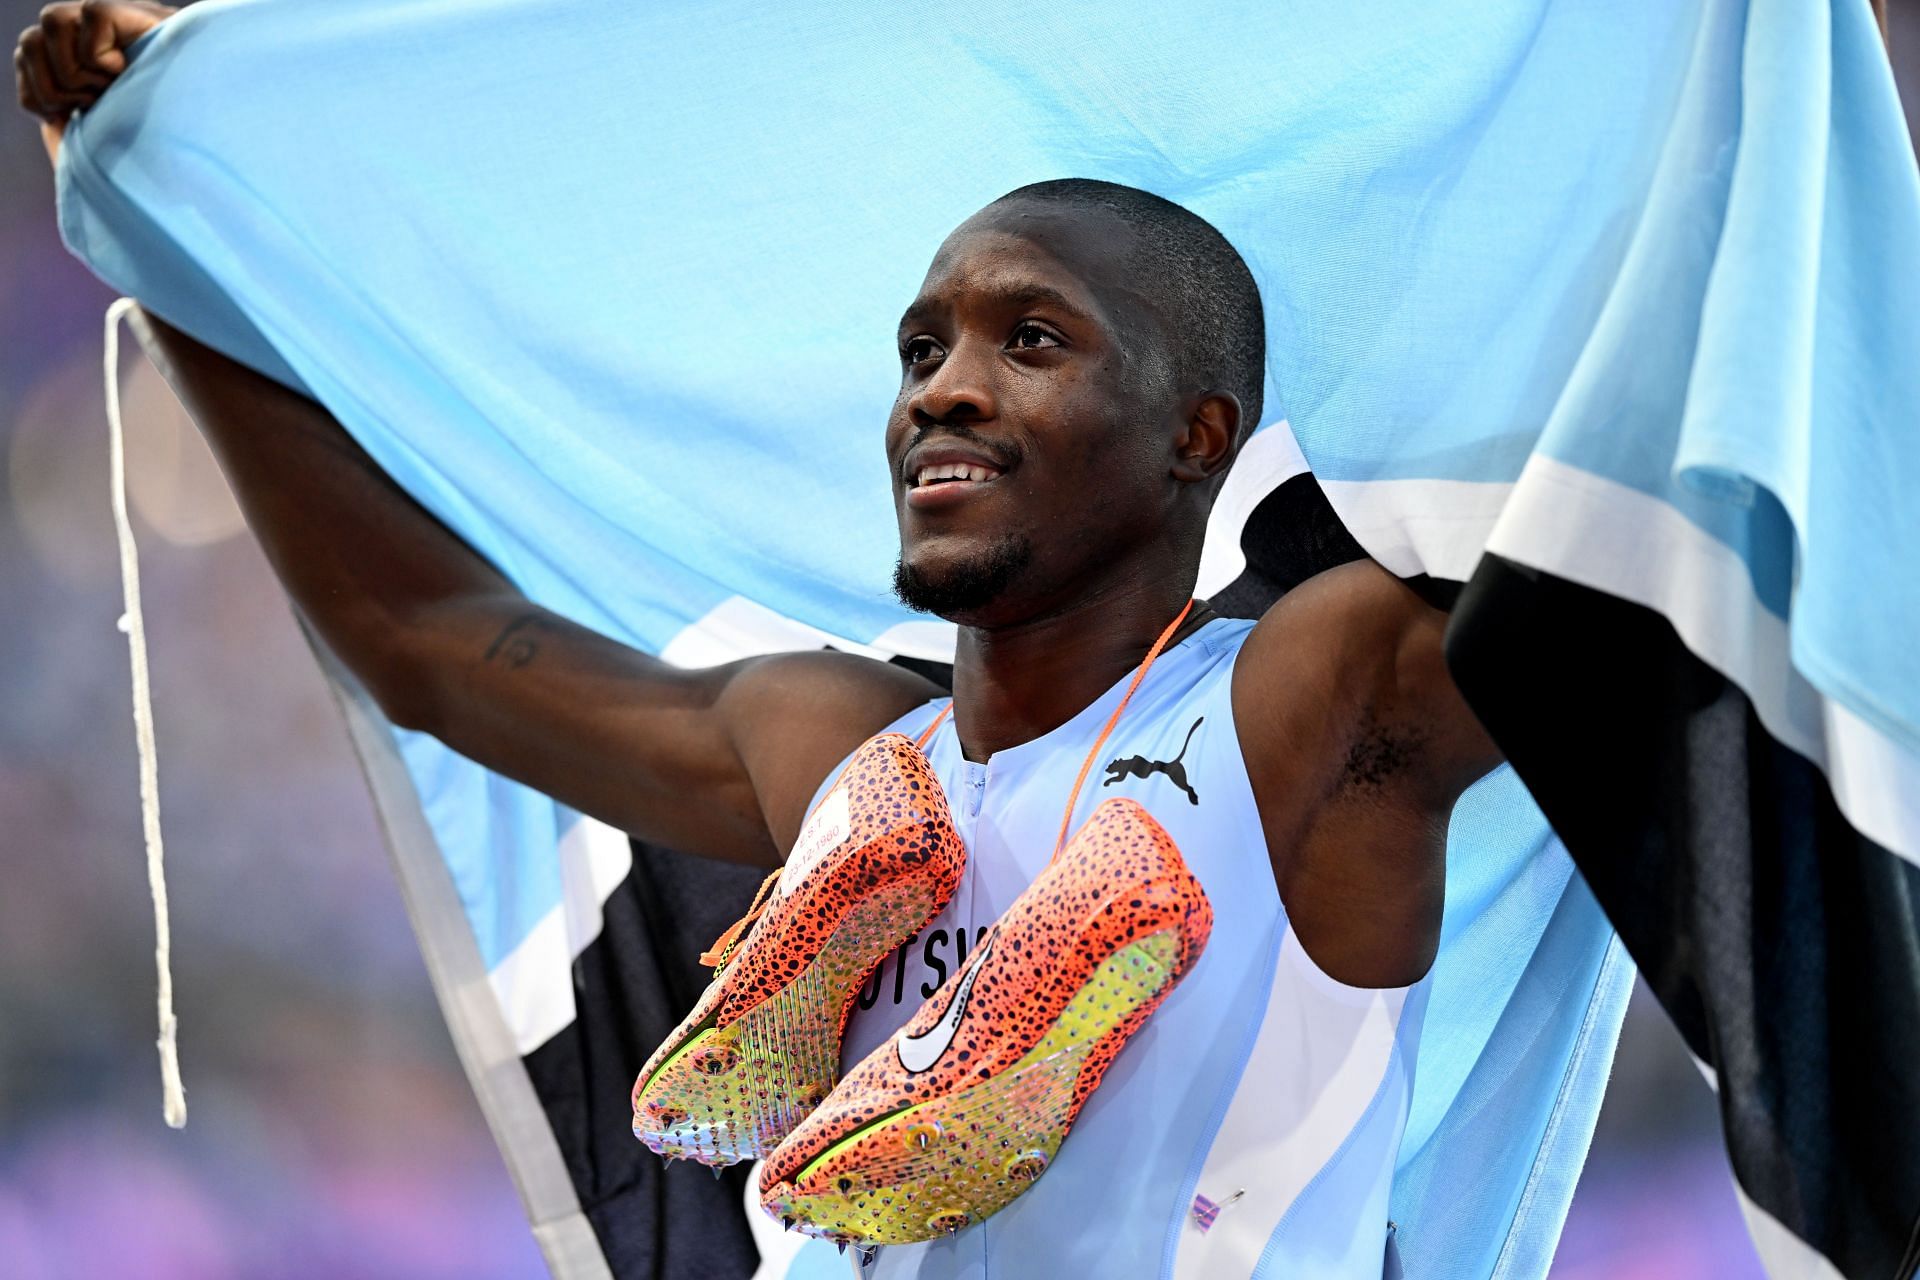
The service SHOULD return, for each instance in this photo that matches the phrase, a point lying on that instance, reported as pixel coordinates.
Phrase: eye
(1029, 336)
(916, 350)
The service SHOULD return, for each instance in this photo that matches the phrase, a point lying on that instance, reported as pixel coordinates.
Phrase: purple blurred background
(332, 1132)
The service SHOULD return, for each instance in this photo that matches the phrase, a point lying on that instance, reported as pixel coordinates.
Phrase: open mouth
(938, 474)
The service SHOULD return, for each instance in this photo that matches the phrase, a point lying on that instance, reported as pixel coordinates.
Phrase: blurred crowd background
(332, 1132)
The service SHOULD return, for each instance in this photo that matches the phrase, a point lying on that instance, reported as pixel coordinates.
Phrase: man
(1079, 369)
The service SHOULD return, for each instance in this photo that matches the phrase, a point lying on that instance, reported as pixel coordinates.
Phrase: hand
(65, 61)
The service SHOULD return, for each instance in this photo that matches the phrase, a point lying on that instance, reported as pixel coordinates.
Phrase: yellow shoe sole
(732, 1093)
(928, 1170)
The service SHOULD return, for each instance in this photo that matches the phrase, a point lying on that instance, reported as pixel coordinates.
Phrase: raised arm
(1357, 745)
(719, 761)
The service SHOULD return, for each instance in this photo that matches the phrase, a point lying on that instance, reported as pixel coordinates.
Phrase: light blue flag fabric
(1607, 288)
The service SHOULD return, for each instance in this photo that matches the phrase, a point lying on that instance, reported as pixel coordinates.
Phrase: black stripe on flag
(1784, 944)
(631, 986)
(1293, 534)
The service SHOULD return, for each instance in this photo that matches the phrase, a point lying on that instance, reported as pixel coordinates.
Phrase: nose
(961, 389)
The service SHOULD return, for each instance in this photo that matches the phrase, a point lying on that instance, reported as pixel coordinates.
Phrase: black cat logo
(1141, 767)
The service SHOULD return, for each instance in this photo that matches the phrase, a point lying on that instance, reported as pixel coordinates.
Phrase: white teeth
(951, 471)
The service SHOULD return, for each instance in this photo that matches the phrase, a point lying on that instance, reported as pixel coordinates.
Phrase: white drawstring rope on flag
(133, 623)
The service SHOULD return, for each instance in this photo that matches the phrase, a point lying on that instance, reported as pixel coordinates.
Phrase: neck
(1013, 683)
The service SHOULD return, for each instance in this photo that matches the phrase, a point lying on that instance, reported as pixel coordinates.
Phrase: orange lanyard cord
(1073, 797)
(926, 734)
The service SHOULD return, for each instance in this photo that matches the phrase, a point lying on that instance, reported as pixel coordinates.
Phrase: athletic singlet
(1251, 1127)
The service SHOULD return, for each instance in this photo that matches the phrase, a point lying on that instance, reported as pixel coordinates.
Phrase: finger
(96, 36)
(21, 85)
(27, 59)
(56, 98)
(24, 80)
(61, 24)
(110, 28)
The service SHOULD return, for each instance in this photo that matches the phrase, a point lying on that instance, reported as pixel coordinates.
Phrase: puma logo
(1141, 767)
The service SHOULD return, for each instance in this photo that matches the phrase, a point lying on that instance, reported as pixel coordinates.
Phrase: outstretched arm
(719, 761)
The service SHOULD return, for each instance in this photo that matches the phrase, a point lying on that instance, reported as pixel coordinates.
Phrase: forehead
(1014, 250)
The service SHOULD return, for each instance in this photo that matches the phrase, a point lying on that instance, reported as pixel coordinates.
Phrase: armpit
(1380, 753)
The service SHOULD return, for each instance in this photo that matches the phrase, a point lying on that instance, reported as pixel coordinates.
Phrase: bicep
(596, 724)
(716, 762)
(720, 761)
(1357, 745)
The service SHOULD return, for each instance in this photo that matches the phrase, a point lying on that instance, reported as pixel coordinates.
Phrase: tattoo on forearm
(518, 642)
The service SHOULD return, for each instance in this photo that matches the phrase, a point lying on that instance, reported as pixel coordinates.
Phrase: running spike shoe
(948, 1122)
(875, 862)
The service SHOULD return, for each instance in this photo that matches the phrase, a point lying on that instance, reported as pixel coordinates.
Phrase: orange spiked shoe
(965, 1108)
(877, 859)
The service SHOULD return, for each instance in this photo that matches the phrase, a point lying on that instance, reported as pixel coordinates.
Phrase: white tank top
(1251, 1127)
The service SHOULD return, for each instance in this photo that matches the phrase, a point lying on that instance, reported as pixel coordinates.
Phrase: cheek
(1100, 437)
(894, 438)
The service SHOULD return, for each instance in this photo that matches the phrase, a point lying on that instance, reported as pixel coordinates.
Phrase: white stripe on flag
(480, 1036)
(1268, 460)
(1420, 526)
(534, 982)
(1784, 1255)
(741, 628)
(1603, 535)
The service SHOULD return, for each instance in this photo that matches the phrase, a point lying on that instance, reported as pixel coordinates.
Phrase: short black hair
(1215, 304)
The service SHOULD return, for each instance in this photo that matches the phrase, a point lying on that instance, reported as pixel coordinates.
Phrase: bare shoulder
(794, 716)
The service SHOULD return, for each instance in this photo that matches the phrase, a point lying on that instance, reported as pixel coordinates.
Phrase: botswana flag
(1596, 309)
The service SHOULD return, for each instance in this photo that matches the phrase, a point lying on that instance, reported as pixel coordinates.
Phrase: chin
(962, 587)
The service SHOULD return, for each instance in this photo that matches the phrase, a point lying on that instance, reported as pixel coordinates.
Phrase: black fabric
(631, 987)
(1292, 535)
(1783, 943)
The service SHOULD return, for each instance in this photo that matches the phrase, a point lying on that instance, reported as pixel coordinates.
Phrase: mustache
(1002, 456)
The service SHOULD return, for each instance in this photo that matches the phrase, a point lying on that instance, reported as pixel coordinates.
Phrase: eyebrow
(1016, 298)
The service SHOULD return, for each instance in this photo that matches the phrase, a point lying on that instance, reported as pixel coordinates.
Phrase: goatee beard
(967, 587)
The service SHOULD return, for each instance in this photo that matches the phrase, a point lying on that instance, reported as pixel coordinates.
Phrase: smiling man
(1078, 370)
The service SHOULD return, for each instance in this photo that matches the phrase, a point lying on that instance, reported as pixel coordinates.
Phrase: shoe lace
(724, 946)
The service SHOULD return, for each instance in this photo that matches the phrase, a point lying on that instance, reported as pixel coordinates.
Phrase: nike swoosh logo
(919, 1053)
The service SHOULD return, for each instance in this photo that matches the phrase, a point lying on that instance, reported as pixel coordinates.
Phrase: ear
(1204, 447)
